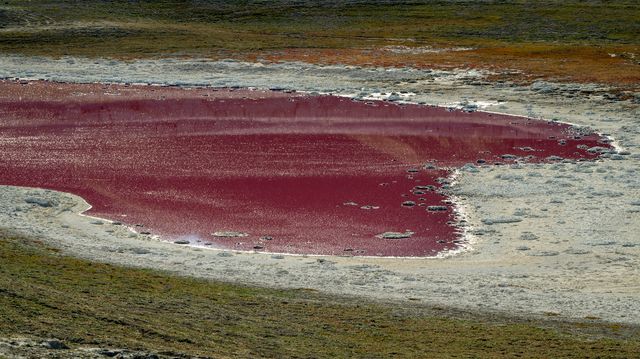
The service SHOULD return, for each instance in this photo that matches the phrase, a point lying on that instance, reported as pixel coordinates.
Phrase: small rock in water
(425, 188)
(395, 235)
(368, 207)
(408, 203)
(229, 234)
(437, 208)
(266, 238)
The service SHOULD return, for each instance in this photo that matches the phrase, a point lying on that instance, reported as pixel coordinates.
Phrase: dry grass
(44, 294)
(560, 40)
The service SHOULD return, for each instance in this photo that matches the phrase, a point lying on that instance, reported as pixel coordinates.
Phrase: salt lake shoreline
(548, 239)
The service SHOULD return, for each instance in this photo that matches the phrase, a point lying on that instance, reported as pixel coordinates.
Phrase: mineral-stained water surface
(264, 170)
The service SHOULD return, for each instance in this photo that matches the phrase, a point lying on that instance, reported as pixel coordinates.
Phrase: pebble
(470, 167)
(543, 253)
(395, 235)
(500, 220)
(229, 234)
(54, 344)
(576, 251)
(437, 208)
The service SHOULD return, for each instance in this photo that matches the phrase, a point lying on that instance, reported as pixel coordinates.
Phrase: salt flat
(569, 245)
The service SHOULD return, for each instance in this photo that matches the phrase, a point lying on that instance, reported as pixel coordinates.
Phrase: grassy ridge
(550, 39)
(324, 23)
(48, 295)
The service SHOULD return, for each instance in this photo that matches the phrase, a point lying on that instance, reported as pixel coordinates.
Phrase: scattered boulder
(42, 202)
(54, 344)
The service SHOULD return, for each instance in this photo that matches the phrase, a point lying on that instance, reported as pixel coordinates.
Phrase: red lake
(259, 170)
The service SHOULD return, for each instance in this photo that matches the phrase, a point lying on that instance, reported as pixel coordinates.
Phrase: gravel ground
(551, 240)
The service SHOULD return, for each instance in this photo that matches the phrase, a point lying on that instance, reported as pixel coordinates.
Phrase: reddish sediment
(296, 173)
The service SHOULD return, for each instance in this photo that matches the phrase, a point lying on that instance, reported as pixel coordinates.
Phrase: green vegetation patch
(45, 294)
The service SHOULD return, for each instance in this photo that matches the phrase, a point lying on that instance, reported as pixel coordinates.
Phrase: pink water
(314, 174)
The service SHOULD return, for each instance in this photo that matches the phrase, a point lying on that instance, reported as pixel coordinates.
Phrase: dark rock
(54, 344)
(437, 208)
(181, 242)
(39, 201)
